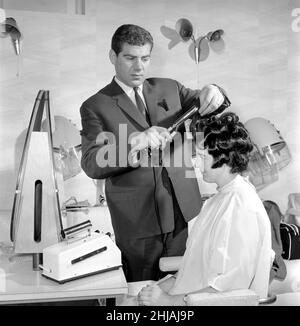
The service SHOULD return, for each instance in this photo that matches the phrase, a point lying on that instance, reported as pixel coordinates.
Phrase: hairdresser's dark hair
(227, 140)
(131, 34)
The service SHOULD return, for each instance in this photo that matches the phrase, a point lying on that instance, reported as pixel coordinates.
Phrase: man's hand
(210, 99)
(154, 137)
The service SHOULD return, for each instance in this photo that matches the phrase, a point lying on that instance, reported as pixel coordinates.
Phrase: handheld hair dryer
(11, 28)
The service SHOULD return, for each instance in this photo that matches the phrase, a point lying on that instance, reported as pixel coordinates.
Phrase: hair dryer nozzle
(195, 106)
(12, 29)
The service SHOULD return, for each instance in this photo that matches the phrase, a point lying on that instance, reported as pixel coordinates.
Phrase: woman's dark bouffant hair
(226, 139)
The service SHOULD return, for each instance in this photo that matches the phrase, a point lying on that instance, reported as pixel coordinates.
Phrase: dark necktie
(141, 106)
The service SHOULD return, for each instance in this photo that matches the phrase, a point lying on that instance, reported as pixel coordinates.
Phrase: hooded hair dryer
(9, 27)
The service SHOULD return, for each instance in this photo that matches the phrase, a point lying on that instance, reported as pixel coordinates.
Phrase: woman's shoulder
(243, 194)
(243, 186)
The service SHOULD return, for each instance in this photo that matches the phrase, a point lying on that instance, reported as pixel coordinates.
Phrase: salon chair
(243, 297)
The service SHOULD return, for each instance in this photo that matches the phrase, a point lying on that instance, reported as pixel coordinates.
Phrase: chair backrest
(261, 279)
(278, 269)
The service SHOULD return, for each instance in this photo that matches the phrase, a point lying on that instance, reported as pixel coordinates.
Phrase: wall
(68, 55)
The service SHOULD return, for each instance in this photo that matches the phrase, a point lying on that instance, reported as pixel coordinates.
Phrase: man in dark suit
(150, 204)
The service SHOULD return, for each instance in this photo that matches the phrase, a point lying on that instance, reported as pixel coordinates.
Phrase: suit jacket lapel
(151, 101)
(126, 105)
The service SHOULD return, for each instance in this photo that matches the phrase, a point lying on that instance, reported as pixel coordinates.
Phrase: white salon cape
(229, 246)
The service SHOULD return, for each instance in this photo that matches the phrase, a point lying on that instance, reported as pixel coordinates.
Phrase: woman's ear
(112, 56)
(225, 169)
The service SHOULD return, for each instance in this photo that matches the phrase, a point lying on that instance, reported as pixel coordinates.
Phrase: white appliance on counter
(82, 253)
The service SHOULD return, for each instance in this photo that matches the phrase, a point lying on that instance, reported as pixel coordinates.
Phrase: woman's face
(204, 161)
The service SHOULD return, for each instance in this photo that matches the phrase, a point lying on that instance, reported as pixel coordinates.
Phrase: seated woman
(229, 247)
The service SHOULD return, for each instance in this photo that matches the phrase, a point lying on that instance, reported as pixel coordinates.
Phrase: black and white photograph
(150, 155)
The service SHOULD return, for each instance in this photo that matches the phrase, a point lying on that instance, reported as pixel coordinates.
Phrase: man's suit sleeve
(187, 96)
(226, 103)
(95, 142)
